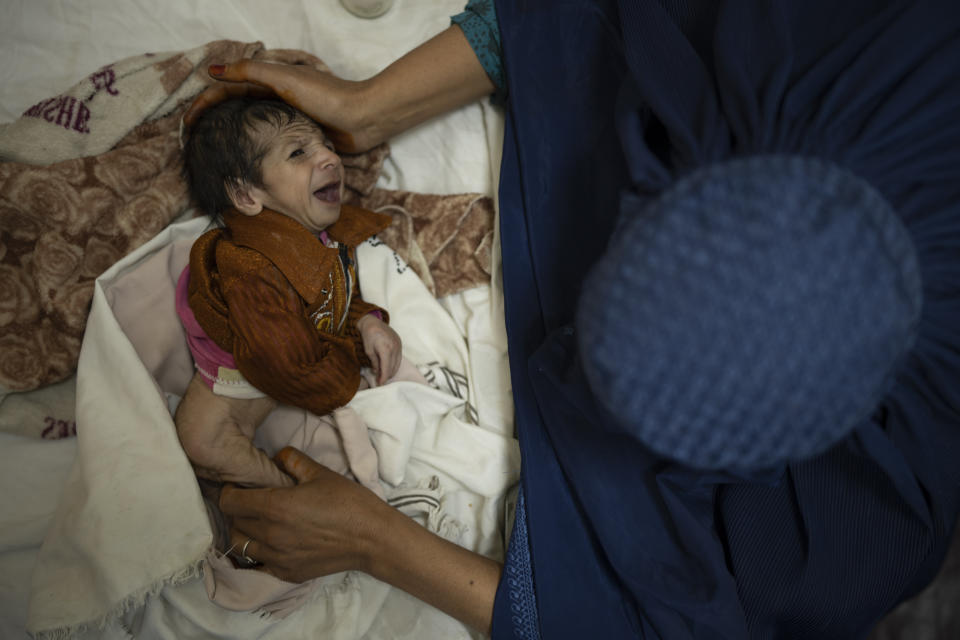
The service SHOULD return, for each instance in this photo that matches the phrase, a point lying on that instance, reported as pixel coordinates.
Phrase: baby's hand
(382, 346)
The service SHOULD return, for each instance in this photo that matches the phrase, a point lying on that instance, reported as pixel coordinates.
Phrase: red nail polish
(216, 69)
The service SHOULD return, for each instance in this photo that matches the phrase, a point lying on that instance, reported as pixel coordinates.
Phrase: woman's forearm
(438, 76)
(455, 580)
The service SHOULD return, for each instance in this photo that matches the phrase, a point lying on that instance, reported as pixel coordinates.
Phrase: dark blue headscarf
(609, 106)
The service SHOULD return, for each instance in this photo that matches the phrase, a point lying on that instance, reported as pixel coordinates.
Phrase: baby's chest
(328, 313)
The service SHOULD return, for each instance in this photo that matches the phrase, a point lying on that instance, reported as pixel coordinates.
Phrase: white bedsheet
(46, 46)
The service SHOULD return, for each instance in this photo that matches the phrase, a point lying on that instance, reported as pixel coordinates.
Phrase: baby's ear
(244, 197)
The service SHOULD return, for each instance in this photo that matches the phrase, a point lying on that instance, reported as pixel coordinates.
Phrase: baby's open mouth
(329, 192)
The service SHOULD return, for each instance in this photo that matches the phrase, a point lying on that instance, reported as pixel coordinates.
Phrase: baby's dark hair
(221, 149)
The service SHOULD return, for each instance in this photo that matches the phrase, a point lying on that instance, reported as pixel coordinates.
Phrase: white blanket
(131, 522)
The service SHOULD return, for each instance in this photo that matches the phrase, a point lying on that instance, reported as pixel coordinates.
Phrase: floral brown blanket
(89, 175)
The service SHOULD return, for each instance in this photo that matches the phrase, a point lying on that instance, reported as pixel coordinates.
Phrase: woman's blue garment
(609, 99)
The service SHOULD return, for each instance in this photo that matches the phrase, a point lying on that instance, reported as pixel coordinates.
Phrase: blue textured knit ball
(751, 315)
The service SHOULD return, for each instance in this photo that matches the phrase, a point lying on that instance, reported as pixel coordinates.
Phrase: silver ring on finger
(243, 553)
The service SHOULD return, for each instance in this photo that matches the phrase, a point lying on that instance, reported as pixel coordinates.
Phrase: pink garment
(207, 355)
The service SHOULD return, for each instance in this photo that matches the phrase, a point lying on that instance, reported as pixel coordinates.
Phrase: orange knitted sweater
(286, 306)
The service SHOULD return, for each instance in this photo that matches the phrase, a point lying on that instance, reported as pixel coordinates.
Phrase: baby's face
(302, 175)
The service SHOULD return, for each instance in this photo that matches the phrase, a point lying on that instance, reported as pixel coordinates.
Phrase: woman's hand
(382, 345)
(329, 100)
(327, 524)
(440, 75)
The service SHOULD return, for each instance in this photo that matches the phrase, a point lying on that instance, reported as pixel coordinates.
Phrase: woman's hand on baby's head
(219, 92)
(322, 96)
(382, 345)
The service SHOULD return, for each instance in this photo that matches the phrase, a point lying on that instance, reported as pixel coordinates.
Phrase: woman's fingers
(245, 503)
(243, 547)
(264, 74)
(256, 503)
(243, 78)
(248, 552)
(302, 467)
(217, 93)
(290, 82)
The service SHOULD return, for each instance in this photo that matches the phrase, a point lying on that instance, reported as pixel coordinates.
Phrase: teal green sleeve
(479, 24)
